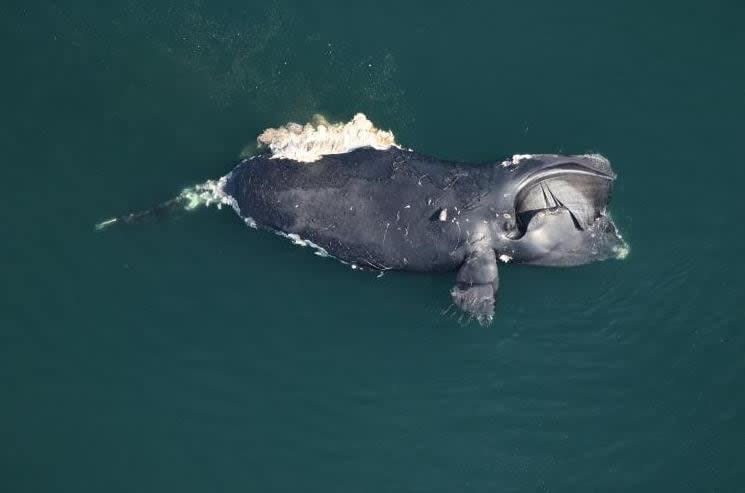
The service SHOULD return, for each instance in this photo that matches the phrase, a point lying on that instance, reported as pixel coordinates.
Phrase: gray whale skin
(395, 209)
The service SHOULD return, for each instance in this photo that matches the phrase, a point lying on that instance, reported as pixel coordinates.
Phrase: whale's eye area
(583, 197)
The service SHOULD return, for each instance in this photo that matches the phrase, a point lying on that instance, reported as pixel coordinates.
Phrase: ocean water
(192, 353)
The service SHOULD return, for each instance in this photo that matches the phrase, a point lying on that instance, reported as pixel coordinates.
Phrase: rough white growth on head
(310, 142)
(505, 258)
(444, 215)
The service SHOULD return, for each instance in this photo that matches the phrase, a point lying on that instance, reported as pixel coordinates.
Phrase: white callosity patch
(310, 142)
(505, 258)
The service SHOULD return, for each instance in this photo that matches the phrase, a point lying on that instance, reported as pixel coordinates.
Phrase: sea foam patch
(310, 142)
(212, 192)
(206, 194)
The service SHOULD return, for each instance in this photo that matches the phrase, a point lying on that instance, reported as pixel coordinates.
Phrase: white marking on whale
(310, 142)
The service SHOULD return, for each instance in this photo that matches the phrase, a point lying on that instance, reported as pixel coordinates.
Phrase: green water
(161, 358)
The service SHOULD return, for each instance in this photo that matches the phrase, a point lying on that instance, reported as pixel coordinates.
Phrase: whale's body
(350, 191)
(390, 209)
(395, 209)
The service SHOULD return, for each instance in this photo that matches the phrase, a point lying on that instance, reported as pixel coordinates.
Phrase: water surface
(195, 354)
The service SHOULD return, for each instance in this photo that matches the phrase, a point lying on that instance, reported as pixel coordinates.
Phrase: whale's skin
(376, 209)
(396, 209)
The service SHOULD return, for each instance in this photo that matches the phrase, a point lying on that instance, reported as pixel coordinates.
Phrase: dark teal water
(195, 354)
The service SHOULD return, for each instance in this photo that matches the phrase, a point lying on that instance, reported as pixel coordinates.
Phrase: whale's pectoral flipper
(477, 283)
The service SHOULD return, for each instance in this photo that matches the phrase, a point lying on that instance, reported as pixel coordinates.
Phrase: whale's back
(380, 209)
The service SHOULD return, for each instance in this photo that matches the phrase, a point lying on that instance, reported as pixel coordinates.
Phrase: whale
(351, 192)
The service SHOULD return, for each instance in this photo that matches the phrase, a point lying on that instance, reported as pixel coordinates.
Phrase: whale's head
(560, 214)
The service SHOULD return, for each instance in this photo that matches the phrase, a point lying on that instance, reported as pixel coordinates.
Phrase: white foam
(206, 194)
(297, 240)
(310, 142)
(515, 160)
(622, 251)
(212, 192)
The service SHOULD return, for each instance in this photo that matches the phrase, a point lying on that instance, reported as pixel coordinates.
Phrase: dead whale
(351, 192)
